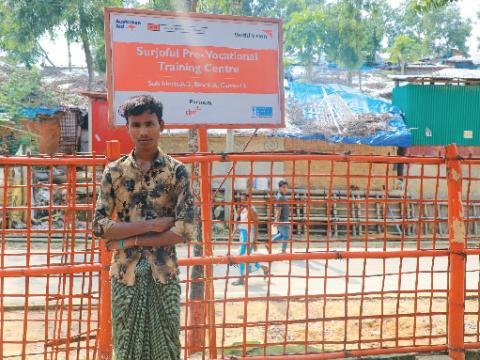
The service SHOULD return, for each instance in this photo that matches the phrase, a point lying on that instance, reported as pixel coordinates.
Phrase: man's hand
(161, 224)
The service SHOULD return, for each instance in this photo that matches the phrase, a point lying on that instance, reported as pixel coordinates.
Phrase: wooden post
(456, 234)
(105, 331)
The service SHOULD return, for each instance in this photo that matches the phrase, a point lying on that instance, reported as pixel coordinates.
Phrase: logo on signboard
(178, 28)
(127, 24)
(193, 112)
(264, 35)
(262, 111)
(268, 32)
(153, 27)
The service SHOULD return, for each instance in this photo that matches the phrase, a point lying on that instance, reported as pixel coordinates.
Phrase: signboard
(207, 70)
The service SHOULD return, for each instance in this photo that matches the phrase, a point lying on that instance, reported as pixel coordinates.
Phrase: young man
(248, 232)
(282, 215)
(150, 193)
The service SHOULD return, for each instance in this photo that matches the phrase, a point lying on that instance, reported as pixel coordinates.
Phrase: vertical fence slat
(105, 326)
(207, 241)
(456, 234)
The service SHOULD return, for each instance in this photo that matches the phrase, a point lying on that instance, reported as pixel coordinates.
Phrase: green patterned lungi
(146, 318)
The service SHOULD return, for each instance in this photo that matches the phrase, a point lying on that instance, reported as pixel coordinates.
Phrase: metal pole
(205, 195)
(456, 232)
(105, 330)
(229, 146)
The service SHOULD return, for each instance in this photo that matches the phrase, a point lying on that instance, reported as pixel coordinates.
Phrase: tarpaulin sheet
(31, 113)
(340, 114)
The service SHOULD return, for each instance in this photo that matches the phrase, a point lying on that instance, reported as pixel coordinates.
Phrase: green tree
(407, 21)
(425, 5)
(22, 25)
(404, 50)
(170, 5)
(305, 36)
(226, 7)
(444, 29)
(84, 21)
(378, 19)
(24, 22)
(346, 35)
(22, 89)
(438, 30)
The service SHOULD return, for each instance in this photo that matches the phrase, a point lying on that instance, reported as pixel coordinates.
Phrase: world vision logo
(268, 32)
(153, 27)
(127, 24)
(263, 35)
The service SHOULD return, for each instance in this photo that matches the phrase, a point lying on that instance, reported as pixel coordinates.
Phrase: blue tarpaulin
(340, 114)
(31, 113)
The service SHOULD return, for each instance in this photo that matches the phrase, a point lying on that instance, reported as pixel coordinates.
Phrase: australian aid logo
(128, 24)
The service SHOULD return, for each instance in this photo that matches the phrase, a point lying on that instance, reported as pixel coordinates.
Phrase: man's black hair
(137, 105)
(282, 182)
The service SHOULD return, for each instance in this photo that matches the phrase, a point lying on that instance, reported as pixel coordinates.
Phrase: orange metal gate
(380, 260)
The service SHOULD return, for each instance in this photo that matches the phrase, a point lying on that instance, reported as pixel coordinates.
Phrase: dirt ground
(57, 332)
(327, 329)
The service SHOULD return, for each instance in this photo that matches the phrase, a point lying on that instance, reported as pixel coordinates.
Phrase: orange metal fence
(49, 262)
(378, 261)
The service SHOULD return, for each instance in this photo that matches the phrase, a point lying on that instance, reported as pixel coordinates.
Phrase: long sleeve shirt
(134, 195)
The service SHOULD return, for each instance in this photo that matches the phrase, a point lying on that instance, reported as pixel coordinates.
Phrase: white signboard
(207, 70)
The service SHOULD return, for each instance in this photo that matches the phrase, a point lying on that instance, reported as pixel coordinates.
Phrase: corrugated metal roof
(444, 74)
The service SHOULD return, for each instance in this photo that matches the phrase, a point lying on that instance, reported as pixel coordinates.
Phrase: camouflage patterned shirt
(134, 195)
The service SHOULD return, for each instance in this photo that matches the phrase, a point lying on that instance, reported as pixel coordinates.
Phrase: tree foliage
(438, 30)
(305, 36)
(378, 21)
(23, 23)
(347, 32)
(426, 5)
(22, 89)
(444, 30)
(404, 50)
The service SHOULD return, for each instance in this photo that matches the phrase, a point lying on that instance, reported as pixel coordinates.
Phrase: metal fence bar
(369, 269)
(456, 231)
(105, 326)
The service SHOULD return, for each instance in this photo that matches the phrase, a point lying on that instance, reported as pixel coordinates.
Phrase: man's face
(283, 189)
(145, 129)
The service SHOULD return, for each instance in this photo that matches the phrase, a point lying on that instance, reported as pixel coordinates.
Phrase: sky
(57, 48)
